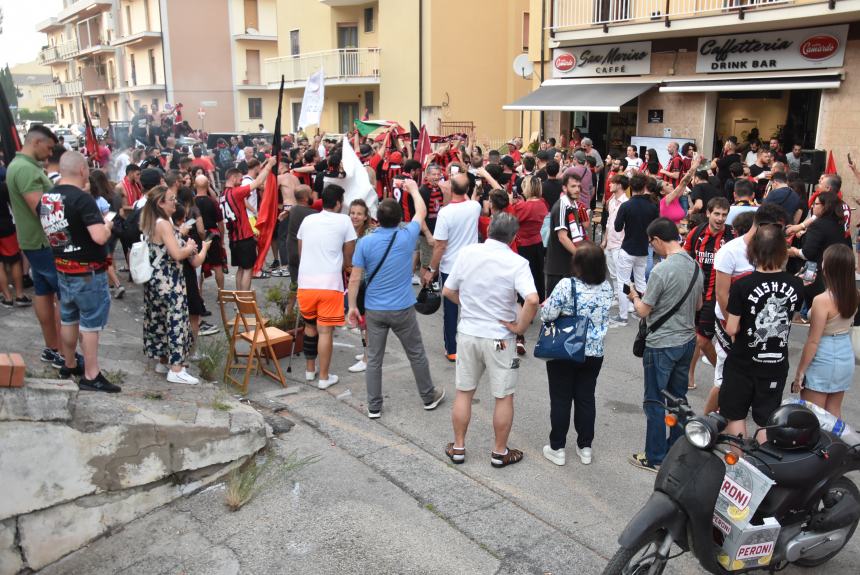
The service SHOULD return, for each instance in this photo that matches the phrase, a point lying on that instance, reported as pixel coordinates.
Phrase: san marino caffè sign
(803, 49)
(629, 59)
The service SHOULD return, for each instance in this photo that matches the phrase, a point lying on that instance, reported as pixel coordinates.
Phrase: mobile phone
(455, 170)
(810, 271)
(626, 289)
(191, 222)
(397, 183)
(110, 216)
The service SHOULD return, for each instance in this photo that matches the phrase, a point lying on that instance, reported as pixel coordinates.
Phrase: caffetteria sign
(630, 59)
(785, 50)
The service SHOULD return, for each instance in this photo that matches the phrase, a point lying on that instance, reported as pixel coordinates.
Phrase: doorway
(791, 116)
(347, 114)
(743, 127)
(347, 44)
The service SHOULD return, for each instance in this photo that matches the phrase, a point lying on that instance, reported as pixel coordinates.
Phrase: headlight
(699, 433)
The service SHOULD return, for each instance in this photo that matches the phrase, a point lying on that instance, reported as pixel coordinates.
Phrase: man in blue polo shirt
(389, 298)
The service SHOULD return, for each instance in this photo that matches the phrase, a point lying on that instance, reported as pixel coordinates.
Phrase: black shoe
(68, 372)
(28, 282)
(50, 355)
(275, 265)
(100, 383)
(60, 362)
(205, 313)
(6, 302)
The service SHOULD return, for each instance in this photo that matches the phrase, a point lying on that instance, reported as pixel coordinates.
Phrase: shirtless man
(287, 184)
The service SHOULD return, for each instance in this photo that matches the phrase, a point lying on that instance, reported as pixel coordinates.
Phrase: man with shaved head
(27, 182)
(456, 228)
(78, 234)
(213, 221)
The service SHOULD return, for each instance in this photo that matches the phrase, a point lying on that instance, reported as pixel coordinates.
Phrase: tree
(45, 115)
(8, 86)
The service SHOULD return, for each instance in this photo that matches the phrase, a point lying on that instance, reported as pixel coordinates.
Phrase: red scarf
(132, 191)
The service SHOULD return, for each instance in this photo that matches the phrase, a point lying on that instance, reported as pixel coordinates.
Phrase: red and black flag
(9, 138)
(90, 132)
(267, 215)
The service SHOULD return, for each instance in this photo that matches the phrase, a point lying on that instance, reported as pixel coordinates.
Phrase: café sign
(804, 49)
(628, 59)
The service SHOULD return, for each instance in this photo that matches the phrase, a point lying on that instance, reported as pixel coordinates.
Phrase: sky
(19, 41)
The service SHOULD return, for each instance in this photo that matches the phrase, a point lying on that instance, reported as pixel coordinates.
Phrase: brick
(5, 370)
(19, 369)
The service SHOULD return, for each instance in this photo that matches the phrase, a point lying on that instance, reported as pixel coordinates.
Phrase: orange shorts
(322, 305)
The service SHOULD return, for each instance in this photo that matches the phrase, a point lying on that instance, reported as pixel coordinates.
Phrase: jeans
(665, 368)
(574, 383)
(405, 326)
(450, 312)
(625, 265)
(43, 271)
(84, 300)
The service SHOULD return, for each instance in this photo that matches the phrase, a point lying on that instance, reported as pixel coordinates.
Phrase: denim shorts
(830, 371)
(84, 299)
(43, 270)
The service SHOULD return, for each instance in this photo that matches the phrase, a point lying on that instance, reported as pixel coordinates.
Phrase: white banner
(804, 49)
(312, 102)
(356, 183)
(629, 59)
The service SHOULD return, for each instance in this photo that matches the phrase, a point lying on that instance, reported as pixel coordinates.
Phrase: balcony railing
(342, 66)
(62, 90)
(79, 5)
(585, 13)
(63, 51)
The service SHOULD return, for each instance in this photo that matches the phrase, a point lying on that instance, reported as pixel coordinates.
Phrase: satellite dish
(523, 66)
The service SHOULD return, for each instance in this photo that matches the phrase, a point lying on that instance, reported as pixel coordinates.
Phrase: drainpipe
(542, 37)
(420, 59)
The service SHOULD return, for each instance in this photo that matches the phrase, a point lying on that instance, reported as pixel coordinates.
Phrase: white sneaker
(554, 455)
(327, 383)
(161, 367)
(311, 375)
(706, 361)
(584, 455)
(182, 377)
(416, 280)
(359, 357)
(358, 367)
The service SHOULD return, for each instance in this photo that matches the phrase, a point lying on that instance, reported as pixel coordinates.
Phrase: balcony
(48, 24)
(95, 84)
(58, 53)
(82, 8)
(578, 14)
(341, 67)
(62, 90)
(138, 39)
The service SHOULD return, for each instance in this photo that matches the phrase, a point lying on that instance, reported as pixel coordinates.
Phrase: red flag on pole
(831, 164)
(91, 141)
(267, 215)
(423, 148)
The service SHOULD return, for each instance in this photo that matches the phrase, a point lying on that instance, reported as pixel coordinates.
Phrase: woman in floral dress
(166, 328)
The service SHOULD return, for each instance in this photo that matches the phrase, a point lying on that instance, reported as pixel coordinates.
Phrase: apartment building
(699, 70)
(446, 63)
(30, 79)
(122, 54)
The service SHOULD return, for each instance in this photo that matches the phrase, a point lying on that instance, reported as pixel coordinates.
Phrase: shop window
(368, 19)
(255, 108)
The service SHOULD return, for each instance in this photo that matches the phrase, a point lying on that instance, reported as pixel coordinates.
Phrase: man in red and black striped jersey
(675, 168)
(243, 243)
(702, 243)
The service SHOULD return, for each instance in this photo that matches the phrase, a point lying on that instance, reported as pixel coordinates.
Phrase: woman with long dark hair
(826, 368)
(108, 201)
(651, 162)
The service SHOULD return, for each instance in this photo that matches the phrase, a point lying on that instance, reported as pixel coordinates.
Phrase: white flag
(312, 102)
(356, 183)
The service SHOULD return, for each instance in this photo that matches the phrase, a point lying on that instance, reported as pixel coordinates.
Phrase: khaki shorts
(475, 355)
(425, 250)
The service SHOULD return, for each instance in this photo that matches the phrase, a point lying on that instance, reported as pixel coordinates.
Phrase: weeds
(219, 401)
(41, 372)
(248, 480)
(154, 396)
(214, 354)
(115, 376)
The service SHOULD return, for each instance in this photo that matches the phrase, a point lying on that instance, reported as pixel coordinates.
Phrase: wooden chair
(249, 328)
(226, 302)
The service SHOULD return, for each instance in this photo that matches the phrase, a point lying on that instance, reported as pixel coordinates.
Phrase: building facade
(30, 79)
(403, 60)
(699, 71)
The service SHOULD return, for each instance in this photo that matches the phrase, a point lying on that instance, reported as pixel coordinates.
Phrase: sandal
(509, 458)
(455, 454)
(693, 386)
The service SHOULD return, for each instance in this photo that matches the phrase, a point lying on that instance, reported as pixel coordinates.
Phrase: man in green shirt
(27, 182)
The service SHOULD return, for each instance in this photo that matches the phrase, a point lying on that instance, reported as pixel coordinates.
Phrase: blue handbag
(564, 338)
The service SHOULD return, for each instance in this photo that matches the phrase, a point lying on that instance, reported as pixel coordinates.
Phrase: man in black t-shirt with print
(213, 221)
(78, 235)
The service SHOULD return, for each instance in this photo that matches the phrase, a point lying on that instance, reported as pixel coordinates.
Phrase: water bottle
(829, 422)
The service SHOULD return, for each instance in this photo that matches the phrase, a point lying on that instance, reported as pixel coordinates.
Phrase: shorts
(705, 319)
(10, 253)
(426, 251)
(44, 271)
(829, 372)
(84, 300)
(215, 255)
(243, 254)
(742, 390)
(192, 291)
(323, 306)
(475, 355)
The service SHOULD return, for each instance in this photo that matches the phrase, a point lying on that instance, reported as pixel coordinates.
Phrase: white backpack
(138, 261)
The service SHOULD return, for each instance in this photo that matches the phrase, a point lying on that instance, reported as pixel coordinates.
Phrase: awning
(580, 97)
(751, 85)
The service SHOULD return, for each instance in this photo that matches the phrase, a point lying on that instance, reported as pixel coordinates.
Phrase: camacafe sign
(629, 59)
(784, 50)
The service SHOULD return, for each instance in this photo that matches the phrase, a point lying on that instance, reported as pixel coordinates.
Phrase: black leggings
(572, 383)
(534, 253)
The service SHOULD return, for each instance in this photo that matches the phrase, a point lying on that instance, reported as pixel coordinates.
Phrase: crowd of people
(717, 259)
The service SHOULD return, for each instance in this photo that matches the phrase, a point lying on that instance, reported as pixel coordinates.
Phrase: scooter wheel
(638, 559)
(848, 488)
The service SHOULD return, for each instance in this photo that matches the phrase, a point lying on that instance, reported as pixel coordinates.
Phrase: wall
(397, 100)
(839, 119)
(311, 18)
(683, 112)
(270, 110)
(267, 50)
(195, 78)
(138, 17)
(142, 63)
(267, 17)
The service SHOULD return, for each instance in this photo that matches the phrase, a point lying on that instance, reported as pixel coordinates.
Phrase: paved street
(384, 498)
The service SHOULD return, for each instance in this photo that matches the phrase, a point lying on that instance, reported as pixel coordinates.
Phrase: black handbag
(645, 329)
(362, 287)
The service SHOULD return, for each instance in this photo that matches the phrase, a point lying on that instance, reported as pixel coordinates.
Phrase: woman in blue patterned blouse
(574, 383)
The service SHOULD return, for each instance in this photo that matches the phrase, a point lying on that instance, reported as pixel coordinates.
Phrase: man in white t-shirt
(731, 264)
(120, 163)
(456, 228)
(326, 242)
